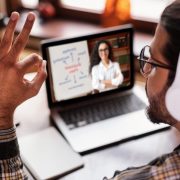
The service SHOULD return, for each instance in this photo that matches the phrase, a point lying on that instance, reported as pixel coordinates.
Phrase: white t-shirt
(112, 72)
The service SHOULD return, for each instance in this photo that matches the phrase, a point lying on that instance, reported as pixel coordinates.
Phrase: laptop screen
(89, 66)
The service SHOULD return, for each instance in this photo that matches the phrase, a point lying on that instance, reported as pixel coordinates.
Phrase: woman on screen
(106, 74)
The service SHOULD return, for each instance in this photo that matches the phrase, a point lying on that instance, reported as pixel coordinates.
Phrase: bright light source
(89, 5)
(32, 4)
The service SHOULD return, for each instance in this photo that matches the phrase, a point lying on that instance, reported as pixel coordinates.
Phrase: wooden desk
(34, 116)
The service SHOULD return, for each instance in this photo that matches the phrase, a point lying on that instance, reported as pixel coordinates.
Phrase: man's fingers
(22, 38)
(38, 80)
(31, 61)
(7, 39)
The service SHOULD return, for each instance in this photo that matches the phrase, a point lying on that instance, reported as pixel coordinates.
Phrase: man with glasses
(158, 64)
(147, 66)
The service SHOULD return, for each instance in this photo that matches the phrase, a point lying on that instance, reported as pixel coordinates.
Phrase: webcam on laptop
(172, 98)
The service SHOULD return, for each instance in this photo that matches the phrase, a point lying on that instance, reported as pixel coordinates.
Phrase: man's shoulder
(167, 166)
(172, 157)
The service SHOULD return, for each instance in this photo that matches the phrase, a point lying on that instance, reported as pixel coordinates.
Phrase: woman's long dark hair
(95, 59)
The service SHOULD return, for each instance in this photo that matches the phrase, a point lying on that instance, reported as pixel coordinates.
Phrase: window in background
(85, 5)
(145, 10)
(149, 10)
(32, 4)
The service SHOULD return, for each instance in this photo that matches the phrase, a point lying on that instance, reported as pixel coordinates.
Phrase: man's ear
(172, 98)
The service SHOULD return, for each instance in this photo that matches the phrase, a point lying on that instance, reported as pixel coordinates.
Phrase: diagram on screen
(70, 70)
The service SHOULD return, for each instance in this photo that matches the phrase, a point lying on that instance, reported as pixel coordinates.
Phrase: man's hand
(14, 88)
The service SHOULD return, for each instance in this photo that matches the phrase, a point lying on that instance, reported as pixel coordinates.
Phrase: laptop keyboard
(99, 111)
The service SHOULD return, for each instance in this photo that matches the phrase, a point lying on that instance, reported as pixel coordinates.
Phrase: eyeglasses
(147, 67)
(104, 50)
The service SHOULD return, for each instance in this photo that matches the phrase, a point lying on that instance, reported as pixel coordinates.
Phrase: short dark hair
(95, 59)
(170, 21)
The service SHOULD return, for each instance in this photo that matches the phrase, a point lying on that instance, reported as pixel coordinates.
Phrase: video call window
(72, 74)
(121, 52)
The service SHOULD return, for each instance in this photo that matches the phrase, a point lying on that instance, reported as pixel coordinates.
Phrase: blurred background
(66, 18)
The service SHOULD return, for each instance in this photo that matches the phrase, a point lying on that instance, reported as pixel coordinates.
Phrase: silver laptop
(91, 119)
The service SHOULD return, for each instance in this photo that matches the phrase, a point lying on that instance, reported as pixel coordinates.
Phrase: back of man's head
(170, 21)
